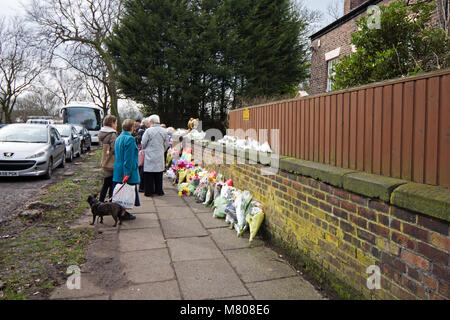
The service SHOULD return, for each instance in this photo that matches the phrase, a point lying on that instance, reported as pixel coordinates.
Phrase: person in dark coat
(108, 136)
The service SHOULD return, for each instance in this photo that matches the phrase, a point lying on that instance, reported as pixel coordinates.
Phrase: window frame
(330, 65)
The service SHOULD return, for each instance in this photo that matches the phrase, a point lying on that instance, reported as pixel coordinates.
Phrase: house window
(331, 64)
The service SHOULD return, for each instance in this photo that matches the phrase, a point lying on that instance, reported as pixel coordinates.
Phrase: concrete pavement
(176, 250)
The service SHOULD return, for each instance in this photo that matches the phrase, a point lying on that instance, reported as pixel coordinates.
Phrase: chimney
(349, 5)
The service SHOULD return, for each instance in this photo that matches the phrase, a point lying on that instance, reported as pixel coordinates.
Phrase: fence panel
(398, 128)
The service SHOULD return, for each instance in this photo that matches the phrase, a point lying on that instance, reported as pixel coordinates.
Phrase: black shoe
(128, 216)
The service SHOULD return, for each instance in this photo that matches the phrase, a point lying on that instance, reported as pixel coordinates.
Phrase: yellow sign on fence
(246, 114)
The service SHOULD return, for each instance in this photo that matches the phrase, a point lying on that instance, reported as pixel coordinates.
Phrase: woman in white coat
(154, 142)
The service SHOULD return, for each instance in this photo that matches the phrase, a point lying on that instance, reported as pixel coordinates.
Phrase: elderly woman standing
(155, 142)
(126, 161)
(107, 137)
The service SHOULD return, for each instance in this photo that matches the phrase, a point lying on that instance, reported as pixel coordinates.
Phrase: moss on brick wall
(336, 235)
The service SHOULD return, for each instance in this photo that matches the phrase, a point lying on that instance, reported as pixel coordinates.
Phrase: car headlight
(37, 155)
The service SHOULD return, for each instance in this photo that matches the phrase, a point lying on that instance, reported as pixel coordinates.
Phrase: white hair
(154, 118)
(146, 122)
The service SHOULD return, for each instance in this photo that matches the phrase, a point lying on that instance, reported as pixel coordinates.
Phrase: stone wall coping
(329, 174)
(371, 185)
(422, 198)
(430, 200)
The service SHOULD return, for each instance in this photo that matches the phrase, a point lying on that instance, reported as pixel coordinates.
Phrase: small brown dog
(101, 209)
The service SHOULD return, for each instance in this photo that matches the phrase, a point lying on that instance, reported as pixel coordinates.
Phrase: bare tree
(313, 17)
(335, 9)
(97, 88)
(21, 62)
(80, 28)
(38, 101)
(66, 85)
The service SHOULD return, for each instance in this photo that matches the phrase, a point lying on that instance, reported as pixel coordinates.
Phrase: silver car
(30, 150)
(86, 139)
(72, 140)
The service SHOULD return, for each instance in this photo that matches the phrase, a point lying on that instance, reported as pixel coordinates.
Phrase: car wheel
(82, 148)
(49, 172)
(71, 156)
(63, 162)
(89, 147)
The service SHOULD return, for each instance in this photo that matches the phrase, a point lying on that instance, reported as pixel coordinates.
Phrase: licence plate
(9, 173)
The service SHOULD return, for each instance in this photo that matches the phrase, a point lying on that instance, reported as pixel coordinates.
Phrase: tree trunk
(8, 116)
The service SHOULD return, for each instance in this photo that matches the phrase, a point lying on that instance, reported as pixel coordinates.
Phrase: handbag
(107, 157)
(125, 195)
(141, 157)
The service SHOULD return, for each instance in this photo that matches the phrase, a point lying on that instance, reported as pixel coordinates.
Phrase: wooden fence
(398, 128)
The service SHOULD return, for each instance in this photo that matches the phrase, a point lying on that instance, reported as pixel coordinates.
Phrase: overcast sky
(12, 7)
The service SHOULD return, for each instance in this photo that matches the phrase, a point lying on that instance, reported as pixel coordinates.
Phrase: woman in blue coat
(126, 164)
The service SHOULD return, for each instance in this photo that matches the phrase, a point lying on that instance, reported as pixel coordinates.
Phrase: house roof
(344, 19)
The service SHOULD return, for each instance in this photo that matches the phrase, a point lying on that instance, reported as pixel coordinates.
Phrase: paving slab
(147, 266)
(141, 239)
(197, 248)
(209, 222)
(293, 288)
(258, 264)
(197, 206)
(169, 201)
(88, 289)
(227, 239)
(167, 290)
(208, 279)
(145, 202)
(146, 207)
(168, 213)
(183, 228)
(142, 221)
(170, 187)
(171, 191)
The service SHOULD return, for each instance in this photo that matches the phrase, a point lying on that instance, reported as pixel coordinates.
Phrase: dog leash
(123, 185)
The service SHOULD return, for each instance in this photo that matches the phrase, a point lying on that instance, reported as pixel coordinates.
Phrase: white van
(86, 114)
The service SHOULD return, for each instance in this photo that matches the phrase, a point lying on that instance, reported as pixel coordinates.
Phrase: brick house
(334, 41)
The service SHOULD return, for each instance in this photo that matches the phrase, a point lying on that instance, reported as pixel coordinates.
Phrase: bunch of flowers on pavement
(239, 209)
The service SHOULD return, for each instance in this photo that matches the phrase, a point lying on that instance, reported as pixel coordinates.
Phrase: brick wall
(344, 233)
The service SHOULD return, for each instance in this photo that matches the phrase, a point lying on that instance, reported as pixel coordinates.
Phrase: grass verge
(34, 255)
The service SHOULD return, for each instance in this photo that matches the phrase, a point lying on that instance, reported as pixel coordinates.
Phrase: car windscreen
(88, 117)
(63, 130)
(26, 134)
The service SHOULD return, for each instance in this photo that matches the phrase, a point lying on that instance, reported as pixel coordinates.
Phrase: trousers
(106, 188)
(153, 183)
